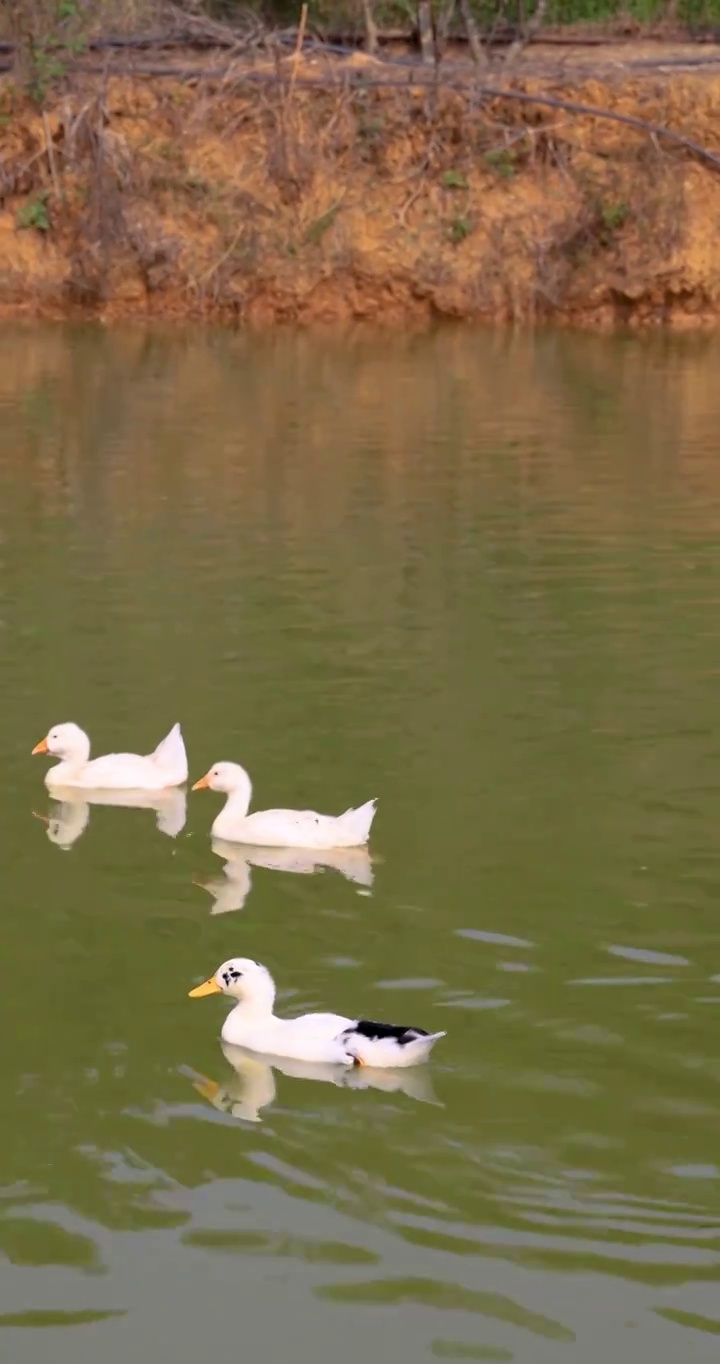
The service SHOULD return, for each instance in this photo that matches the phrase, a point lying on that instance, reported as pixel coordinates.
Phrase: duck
(166, 766)
(331, 1038)
(251, 1086)
(280, 828)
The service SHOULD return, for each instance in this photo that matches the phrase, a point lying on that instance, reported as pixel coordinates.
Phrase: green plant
(317, 229)
(500, 161)
(370, 128)
(35, 213)
(454, 179)
(613, 215)
(49, 33)
(459, 229)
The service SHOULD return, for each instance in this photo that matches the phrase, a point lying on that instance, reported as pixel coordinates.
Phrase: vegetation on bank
(131, 15)
(283, 183)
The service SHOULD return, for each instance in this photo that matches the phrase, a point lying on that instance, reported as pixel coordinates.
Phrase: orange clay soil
(142, 195)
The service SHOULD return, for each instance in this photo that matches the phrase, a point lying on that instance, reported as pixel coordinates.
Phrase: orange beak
(208, 987)
(40, 748)
(199, 785)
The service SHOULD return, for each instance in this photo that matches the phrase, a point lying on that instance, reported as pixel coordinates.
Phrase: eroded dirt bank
(136, 195)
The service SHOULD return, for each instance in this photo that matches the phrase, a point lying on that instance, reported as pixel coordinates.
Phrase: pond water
(477, 577)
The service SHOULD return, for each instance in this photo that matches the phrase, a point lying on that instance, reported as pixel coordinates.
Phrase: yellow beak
(201, 784)
(208, 987)
(40, 748)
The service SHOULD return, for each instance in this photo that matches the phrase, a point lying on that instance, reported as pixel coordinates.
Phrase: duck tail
(420, 1048)
(356, 824)
(171, 758)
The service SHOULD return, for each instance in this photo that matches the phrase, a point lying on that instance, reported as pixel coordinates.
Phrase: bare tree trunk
(442, 27)
(425, 30)
(525, 35)
(479, 55)
(371, 33)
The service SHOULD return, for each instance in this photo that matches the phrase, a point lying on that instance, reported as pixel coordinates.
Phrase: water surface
(478, 578)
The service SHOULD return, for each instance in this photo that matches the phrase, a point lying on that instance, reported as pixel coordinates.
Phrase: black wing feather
(381, 1031)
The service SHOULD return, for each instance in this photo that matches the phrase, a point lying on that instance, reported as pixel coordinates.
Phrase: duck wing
(388, 1044)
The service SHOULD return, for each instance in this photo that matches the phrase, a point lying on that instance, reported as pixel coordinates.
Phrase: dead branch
(478, 51)
(405, 208)
(195, 24)
(526, 34)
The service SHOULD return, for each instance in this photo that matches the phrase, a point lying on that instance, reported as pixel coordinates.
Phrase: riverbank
(346, 189)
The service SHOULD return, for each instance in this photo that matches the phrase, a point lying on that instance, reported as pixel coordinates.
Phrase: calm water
(479, 579)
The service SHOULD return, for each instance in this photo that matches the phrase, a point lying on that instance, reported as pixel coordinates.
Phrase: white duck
(166, 766)
(312, 1037)
(280, 828)
(252, 1086)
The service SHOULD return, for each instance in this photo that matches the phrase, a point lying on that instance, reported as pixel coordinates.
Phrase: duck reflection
(69, 817)
(252, 1086)
(231, 890)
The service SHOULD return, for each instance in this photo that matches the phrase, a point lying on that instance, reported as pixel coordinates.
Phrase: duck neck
(75, 758)
(257, 1005)
(238, 800)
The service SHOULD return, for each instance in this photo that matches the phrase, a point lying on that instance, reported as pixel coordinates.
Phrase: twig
(409, 203)
(298, 49)
(532, 134)
(420, 171)
(203, 279)
(339, 107)
(51, 159)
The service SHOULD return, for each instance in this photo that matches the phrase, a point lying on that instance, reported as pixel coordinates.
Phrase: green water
(479, 579)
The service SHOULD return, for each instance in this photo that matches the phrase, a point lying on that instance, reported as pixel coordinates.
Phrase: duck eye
(232, 975)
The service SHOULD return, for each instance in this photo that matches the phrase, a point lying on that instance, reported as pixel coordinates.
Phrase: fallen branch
(570, 106)
(419, 76)
(213, 36)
